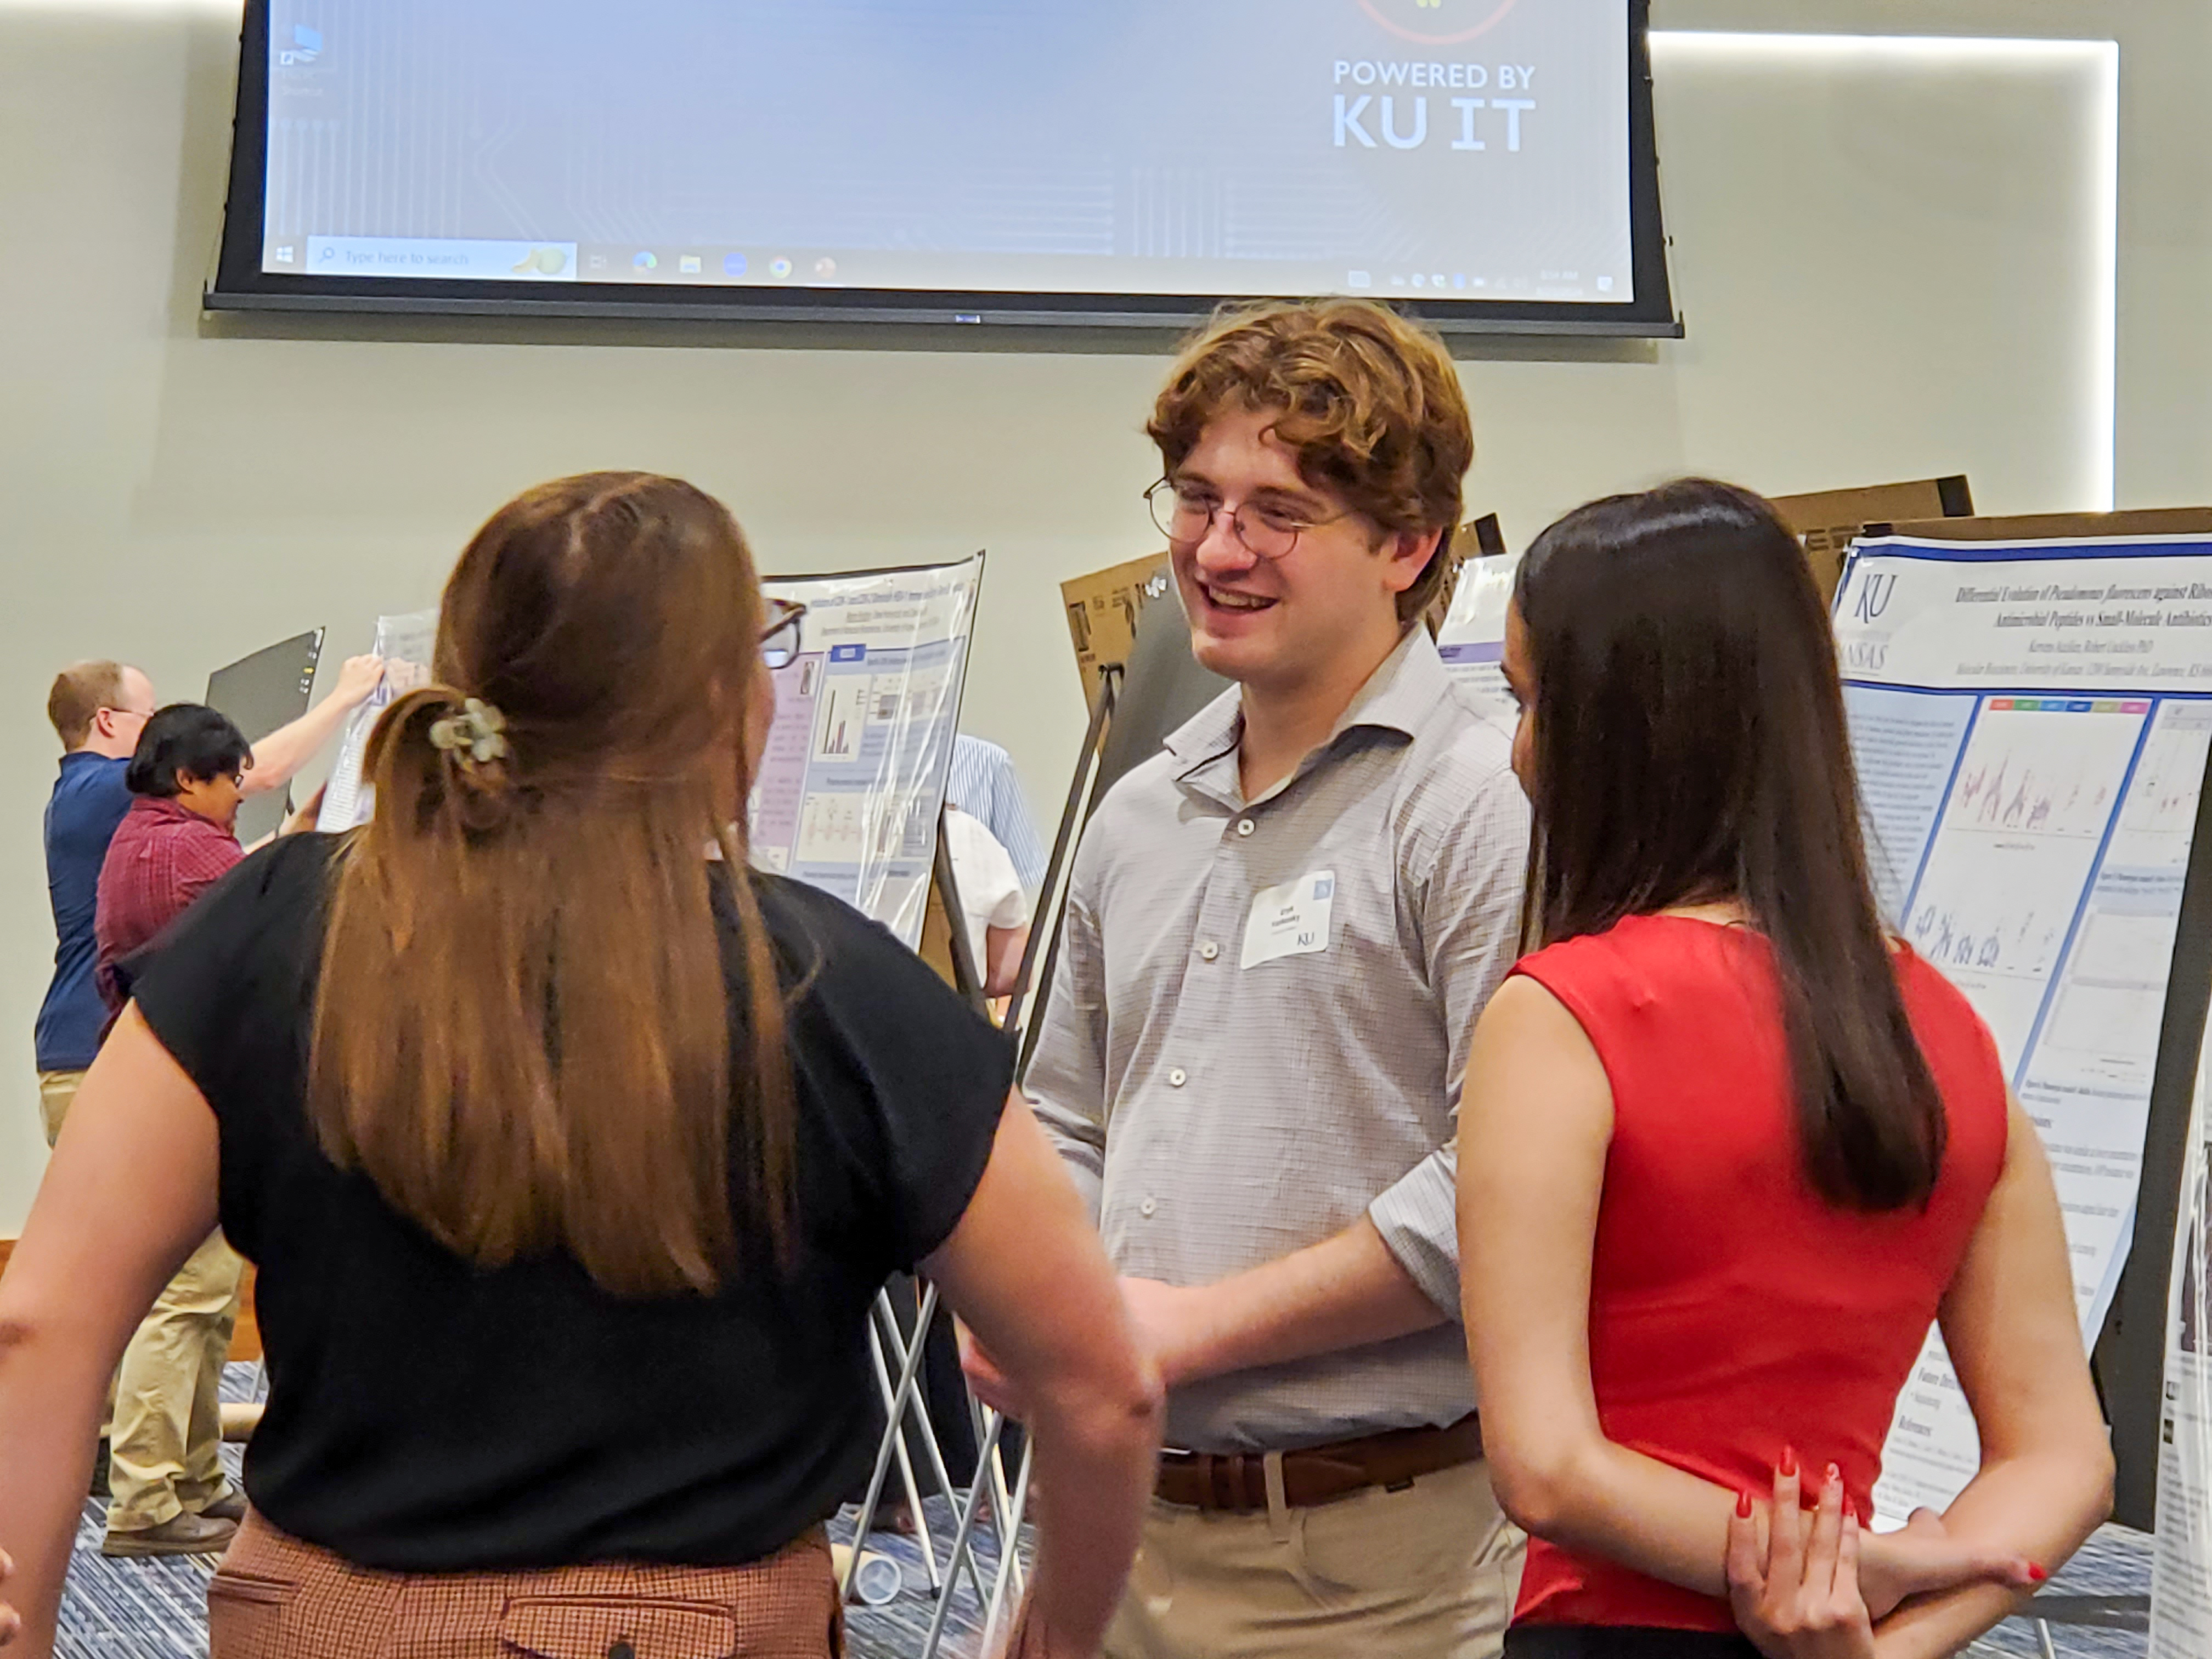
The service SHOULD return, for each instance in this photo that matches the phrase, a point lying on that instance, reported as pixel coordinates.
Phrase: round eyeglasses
(780, 639)
(1184, 512)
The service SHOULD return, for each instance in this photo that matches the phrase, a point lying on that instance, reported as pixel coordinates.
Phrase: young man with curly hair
(1281, 930)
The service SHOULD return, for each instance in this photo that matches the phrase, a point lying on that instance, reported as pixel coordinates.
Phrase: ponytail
(522, 1033)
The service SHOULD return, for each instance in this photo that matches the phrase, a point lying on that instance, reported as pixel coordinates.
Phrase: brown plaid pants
(275, 1597)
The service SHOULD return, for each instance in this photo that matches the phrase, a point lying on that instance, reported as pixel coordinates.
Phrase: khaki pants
(55, 1091)
(164, 1412)
(1430, 1572)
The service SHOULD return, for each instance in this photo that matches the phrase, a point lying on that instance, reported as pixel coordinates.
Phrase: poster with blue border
(2030, 722)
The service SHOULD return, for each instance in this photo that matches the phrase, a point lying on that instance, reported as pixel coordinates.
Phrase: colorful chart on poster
(2030, 722)
(853, 779)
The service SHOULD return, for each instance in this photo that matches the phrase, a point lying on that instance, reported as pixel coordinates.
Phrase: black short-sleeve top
(428, 1415)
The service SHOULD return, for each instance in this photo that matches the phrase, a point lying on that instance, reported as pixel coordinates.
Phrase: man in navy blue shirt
(98, 710)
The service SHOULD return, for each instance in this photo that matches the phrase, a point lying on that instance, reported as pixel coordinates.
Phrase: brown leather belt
(1238, 1481)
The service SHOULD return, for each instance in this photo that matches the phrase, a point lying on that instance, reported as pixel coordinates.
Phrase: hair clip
(478, 733)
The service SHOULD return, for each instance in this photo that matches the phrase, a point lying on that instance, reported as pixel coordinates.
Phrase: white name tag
(1291, 921)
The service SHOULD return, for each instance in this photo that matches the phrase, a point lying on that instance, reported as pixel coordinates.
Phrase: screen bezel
(240, 284)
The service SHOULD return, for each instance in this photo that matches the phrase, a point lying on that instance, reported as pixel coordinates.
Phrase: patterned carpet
(158, 1610)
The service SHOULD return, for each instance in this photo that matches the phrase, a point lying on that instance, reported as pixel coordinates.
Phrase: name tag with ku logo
(1291, 921)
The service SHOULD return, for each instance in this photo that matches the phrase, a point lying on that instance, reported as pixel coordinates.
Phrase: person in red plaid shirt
(186, 779)
(169, 1493)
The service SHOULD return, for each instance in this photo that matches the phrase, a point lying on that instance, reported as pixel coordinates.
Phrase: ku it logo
(1437, 22)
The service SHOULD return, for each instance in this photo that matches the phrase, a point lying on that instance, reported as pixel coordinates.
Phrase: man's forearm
(279, 757)
(1346, 1291)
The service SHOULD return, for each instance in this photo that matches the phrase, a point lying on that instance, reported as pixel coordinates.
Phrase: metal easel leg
(995, 1465)
(910, 1361)
(1010, 1552)
(920, 1407)
(961, 1536)
(896, 1435)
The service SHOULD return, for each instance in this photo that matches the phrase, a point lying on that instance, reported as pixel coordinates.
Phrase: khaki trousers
(1430, 1572)
(165, 1411)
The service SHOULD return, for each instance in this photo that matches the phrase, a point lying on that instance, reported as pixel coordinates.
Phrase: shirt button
(1177, 1077)
(1243, 826)
(1146, 1208)
(1209, 951)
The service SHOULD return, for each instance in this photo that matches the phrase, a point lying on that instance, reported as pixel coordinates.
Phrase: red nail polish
(1788, 1465)
(1743, 1505)
(2037, 1573)
(1834, 1474)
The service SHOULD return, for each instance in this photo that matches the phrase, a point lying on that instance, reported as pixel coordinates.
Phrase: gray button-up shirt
(1260, 1025)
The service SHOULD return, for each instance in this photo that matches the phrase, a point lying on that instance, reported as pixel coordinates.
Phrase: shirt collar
(166, 809)
(1403, 692)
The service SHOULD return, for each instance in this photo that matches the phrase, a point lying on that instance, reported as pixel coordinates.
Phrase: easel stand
(892, 1351)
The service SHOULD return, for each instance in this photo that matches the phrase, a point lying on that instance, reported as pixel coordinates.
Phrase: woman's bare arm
(129, 1194)
(1025, 1270)
(2009, 1323)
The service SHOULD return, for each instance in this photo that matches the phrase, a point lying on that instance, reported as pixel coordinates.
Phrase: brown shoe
(230, 1507)
(185, 1534)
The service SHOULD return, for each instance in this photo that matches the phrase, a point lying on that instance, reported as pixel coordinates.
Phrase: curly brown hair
(1369, 400)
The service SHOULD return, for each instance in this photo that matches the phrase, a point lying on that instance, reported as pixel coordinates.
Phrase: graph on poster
(2022, 788)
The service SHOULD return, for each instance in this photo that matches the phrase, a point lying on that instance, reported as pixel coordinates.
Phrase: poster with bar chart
(852, 778)
(2031, 723)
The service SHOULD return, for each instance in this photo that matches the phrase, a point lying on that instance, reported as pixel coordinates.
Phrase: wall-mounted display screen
(1489, 162)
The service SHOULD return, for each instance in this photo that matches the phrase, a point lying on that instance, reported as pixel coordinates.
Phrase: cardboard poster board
(1102, 608)
(1827, 521)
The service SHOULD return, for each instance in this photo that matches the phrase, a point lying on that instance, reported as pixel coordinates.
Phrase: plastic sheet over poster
(404, 642)
(853, 779)
(2030, 721)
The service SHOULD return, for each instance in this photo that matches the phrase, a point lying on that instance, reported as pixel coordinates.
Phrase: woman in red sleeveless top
(1727, 1147)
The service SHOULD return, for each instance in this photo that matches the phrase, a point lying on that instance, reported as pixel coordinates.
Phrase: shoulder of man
(1130, 818)
(1457, 782)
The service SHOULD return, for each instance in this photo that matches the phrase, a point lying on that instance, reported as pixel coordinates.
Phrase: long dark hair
(522, 1033)
(1689, 746)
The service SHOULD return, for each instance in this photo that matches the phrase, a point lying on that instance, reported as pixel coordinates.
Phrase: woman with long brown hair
(1728, 1147)
(571, 1157)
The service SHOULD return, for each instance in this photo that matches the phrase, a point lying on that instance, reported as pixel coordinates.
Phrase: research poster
(853, 779)
(404, 642)
(1472, 640)
(2181, 1558)
(2030, 721)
